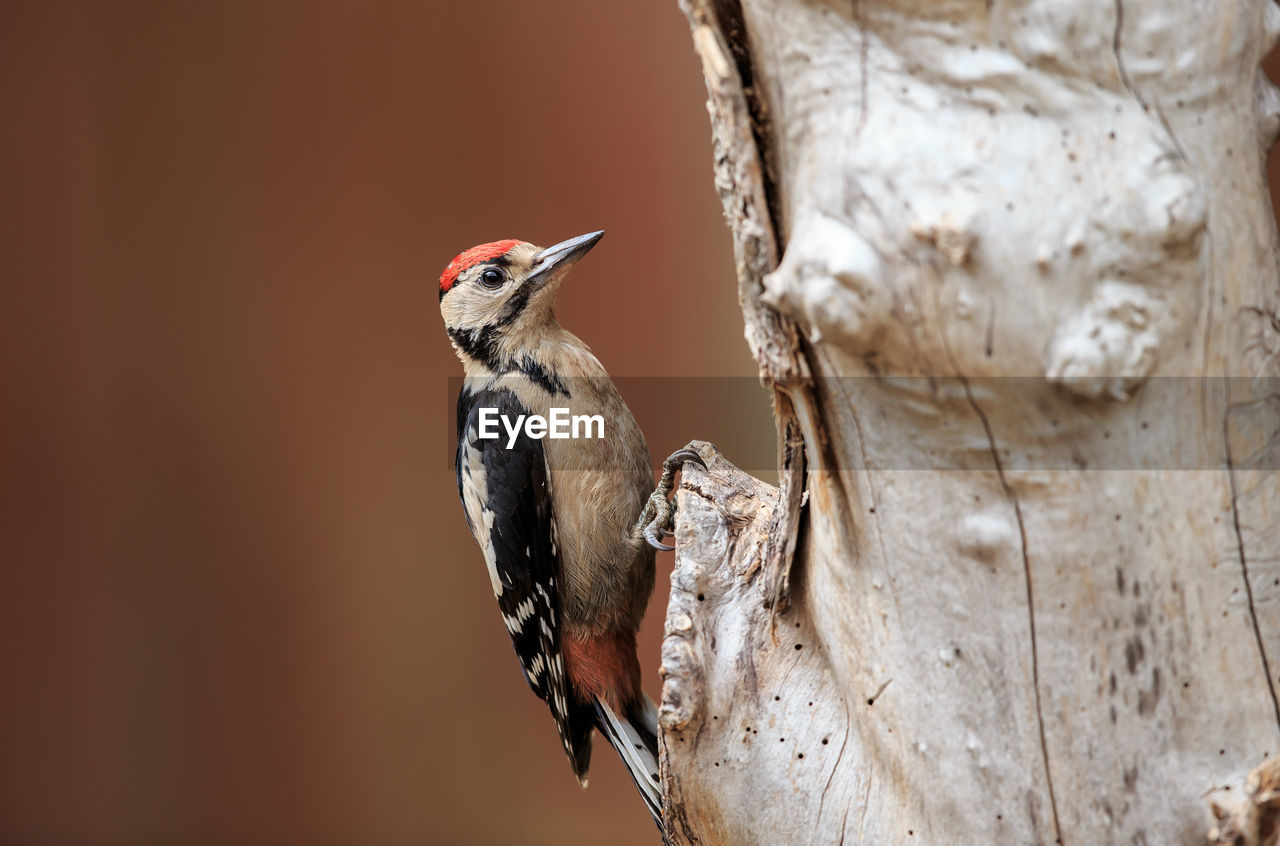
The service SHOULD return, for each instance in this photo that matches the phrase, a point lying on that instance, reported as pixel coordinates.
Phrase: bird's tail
(635, 736)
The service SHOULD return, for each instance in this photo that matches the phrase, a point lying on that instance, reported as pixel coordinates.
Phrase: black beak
(560, 256)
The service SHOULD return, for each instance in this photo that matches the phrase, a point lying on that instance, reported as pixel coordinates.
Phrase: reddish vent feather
(604, 667)
(472, 257)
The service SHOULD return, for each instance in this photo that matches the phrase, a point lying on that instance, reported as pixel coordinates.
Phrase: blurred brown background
(238, 601)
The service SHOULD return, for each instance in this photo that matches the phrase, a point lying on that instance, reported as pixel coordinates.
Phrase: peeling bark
(1252, 817)
(1011, 272)
(740, 180)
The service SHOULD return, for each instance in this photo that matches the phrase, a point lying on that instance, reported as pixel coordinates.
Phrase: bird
(567, 526)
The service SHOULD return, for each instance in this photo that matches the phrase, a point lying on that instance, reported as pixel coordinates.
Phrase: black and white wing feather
(507, 497)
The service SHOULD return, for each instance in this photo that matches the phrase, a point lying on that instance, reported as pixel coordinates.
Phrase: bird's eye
(491, 278)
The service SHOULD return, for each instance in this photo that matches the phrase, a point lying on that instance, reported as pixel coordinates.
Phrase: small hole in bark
(701, 597)
(777, 699)
(825, 741)
(999, 816)
(801, 756)
(800, 646)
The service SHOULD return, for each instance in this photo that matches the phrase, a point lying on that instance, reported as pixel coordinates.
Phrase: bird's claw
(655, 520)
(654, 541)
(676, 459)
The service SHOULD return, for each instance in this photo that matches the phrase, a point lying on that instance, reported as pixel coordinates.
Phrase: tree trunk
(1021, 579)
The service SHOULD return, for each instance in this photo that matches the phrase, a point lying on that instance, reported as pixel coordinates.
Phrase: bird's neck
(546, 353)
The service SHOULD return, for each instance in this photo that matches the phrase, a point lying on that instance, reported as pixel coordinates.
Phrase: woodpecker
(556, 518)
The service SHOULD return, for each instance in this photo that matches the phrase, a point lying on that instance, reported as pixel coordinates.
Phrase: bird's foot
(655, 520)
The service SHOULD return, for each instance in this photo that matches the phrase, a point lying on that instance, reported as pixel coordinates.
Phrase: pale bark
(983, 609)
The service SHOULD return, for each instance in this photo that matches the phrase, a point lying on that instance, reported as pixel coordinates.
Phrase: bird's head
(494, 294)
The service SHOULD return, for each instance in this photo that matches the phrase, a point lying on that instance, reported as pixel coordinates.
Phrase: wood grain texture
(1025, 319)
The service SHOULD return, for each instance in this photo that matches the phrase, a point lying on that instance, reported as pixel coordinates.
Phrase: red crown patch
(472, 257)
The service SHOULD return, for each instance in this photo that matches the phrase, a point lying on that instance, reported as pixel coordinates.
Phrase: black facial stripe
(546, 379)
(518, 301)
(480, 344)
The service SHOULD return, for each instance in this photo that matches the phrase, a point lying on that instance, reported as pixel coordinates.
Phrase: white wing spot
(524, 610)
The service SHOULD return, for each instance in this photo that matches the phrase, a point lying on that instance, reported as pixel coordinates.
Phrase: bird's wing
(507, 497)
